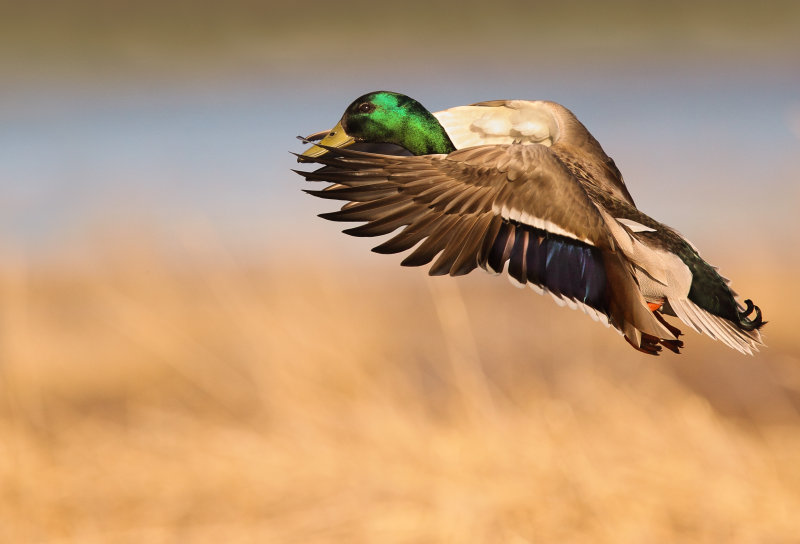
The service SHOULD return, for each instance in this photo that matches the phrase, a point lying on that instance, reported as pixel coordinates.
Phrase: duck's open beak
(337, 137)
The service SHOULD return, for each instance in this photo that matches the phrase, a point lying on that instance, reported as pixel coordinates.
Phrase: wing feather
(506, 207)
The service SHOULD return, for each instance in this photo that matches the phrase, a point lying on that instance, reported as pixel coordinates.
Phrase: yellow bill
(337, 137)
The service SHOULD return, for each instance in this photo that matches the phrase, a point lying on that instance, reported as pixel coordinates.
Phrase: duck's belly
(651, 290)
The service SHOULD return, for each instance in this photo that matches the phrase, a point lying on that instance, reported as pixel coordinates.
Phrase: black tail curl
(747, 324)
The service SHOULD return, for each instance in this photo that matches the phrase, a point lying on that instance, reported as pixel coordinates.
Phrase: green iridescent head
(384, 117)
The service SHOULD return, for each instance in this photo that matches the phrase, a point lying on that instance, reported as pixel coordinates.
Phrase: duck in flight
(522, 187)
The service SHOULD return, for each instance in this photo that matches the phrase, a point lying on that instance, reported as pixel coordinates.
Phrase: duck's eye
(366, 107)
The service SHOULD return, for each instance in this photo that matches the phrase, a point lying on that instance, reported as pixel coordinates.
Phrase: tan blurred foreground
(149, 399)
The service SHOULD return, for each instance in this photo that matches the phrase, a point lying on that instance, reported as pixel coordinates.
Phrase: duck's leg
(652, 344)
(672, 345)
(674, 330)
(649, 344)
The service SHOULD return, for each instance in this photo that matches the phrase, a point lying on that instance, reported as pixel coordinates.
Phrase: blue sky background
(142, 125)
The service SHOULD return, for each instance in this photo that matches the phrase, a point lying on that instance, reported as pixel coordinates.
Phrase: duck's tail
(689, 288)
(747, 324)
(745, 339)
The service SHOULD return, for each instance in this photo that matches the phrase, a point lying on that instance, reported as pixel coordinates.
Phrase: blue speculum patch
(563, 265)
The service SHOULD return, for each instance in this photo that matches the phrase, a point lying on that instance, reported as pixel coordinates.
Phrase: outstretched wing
(490, 206)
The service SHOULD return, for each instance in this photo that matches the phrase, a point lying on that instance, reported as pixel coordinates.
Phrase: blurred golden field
(207, 397)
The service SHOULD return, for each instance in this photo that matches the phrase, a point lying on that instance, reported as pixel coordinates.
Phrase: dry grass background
(149, 397)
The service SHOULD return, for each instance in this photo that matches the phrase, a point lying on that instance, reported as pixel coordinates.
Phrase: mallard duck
(522, 187)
